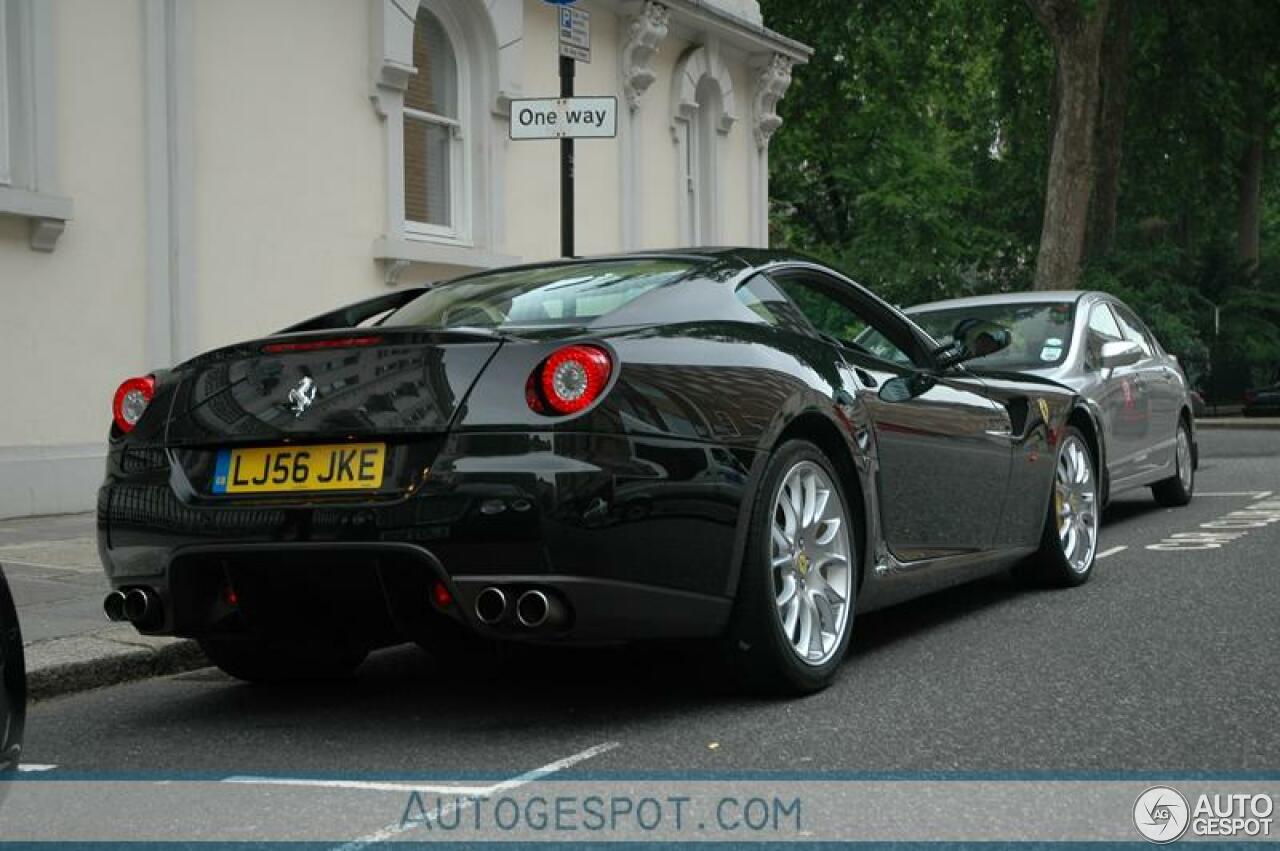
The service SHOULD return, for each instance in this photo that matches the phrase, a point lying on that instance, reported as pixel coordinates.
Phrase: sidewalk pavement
(58, 584)
(1239, 422)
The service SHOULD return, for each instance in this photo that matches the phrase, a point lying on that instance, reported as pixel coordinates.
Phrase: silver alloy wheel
(1075, 497)
(811, 563)
(1185, 467)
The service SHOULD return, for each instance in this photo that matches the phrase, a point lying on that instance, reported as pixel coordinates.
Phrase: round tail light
(131, 400)
(569, 380)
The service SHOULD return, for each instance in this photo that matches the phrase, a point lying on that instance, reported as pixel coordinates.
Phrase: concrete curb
(116, 654)
(1242, 423)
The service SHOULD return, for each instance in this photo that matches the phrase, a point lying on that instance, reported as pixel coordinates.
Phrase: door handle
(999, 427)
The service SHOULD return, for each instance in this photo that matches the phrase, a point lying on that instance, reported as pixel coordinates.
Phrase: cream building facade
(180, 174)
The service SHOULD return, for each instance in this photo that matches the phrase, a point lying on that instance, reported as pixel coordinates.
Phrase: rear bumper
(635, 536)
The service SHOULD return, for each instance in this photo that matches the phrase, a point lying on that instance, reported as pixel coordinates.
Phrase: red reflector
(312, 345)
(441, 595)
(229, 594)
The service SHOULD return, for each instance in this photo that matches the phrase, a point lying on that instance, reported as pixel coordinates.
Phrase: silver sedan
(1095, 344)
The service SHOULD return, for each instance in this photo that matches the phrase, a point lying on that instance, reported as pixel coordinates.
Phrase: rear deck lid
(367, 382)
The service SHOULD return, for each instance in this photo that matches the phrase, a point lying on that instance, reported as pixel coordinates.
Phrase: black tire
(760, 654)
(13, 682)
(1178, 489)
(1050, 566)
(273, 661)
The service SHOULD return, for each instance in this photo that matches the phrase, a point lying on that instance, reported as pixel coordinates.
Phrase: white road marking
(1232, 526)
(1253, 494)
(396, 828)
(1112, 551)
(360, 784)
(35, 766)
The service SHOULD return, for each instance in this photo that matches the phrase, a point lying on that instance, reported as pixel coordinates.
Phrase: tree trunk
(1114, 82)
(1077, 44)
(1249, 196)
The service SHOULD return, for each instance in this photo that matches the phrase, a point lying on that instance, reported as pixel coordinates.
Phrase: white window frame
(692, 180)
(6, 175)
(459, 230)
(28, 126)
(707, 151)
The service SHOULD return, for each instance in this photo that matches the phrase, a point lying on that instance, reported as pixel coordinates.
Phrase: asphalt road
(1165, 661)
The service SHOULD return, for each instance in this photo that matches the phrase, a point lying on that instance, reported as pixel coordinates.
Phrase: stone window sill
(48, 214)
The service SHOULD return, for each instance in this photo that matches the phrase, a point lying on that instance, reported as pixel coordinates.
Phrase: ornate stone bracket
(392, 270)
(645, 35)
(390, 51)
(771, 85)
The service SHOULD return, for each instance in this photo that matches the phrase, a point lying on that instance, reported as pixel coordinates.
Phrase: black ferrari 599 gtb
(683, 444)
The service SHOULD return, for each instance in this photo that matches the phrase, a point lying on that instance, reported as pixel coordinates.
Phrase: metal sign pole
(566, 166)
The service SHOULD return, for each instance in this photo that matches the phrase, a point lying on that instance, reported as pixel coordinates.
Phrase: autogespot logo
(1161, 814)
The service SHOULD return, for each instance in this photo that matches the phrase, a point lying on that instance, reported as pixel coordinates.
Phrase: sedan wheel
(794, 611)
(1076, 501)
(1178, 489)
(1069, 543)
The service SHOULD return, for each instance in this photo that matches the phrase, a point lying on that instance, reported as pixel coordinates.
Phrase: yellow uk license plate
(275, 469)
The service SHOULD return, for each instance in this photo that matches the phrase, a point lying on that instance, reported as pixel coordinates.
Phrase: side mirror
(906, 387)
(1116, 353)
(974, 338)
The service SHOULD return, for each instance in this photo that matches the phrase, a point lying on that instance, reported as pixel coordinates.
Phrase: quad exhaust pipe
(533, 609)
(138, 606)
(113, 606)
(491, 606)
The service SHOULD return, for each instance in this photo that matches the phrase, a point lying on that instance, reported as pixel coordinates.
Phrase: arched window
(704, 111)
(435, 104)
(704, 155)
(443, 71)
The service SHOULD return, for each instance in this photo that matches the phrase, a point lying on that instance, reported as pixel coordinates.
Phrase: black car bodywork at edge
(634, 513)
(13, 685)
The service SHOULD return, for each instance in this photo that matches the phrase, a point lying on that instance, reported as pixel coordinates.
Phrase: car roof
(1029, 297)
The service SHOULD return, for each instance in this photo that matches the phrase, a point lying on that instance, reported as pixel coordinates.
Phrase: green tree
(918, 154)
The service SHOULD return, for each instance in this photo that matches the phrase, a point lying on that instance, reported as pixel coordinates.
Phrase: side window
(840, 319)
(831, 317)
(763, 298)
(1132, 330)
(1102, 329)
(1103, 324)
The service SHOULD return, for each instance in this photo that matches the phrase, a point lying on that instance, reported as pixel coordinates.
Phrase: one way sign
(564, 118)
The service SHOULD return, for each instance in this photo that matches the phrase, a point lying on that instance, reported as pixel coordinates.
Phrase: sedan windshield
(1041, 331)
(568, 294)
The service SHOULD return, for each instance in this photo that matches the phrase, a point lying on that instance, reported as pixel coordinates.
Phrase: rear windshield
(1041, 331)
(570, 294)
